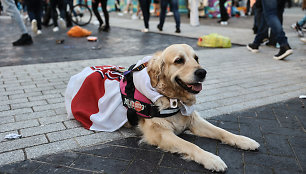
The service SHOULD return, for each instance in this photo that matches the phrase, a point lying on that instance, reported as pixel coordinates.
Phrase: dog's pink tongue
(196, 87)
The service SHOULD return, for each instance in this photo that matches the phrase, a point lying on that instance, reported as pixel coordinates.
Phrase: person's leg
(62, 6)
(175, 10)
(105, 12)
(163, 7)
(145, 13)
(38, 13)
(96, 12)
(223, 12)
(302, 21)
(54, 12)
(10, 7)
(270, 11)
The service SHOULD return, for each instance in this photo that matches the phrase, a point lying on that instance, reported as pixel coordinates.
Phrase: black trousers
(223, 12)
(104, 9)
(34, 8)
(145, 8)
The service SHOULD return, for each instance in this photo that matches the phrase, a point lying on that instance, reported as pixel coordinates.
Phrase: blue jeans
(10, 7)
(174, 7)
(302, 21)
(270, 18)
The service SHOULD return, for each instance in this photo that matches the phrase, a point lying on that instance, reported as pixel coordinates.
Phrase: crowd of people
(268, 16)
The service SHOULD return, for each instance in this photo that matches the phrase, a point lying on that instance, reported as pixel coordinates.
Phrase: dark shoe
(271, 44)
(105, 28)
(254, 48)
(178, 30)
(159, 28)
(284, 51)
(100, 28)
(25, 39)
(298, 29)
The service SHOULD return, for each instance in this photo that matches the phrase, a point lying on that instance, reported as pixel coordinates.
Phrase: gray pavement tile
(34, 115)
(63, 159)
(18, 125)
(271, 161)
(97, 138)
(50, 148)
(253, 169)
(67, 133)
(166, 170)
(99, 164)
(22, 143)
(15, 112)
(20, 168)
(282, 146)
(42, 129)
(10, 157)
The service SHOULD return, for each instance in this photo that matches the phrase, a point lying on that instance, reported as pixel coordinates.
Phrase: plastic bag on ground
(214, 40)
(77, 31)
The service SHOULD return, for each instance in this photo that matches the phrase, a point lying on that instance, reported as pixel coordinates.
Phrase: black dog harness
(137, 107)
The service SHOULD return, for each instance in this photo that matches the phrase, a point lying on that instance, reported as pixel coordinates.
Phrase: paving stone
(21, 167)
(48, 168)
(28, 104)
(41, 114)
(50, 148)
(8, 119)
(64, 159)
(53, 119)
(102, 150)
(166, 170)
(253, 169)
(175, 161)
(42, 97)
(100, 164)
(72, 124)
(69, 133)
(16, 112)
(22, 143)
(7, 101)
(18, 125)
(47, 107)
(4, 108)
(42, 129)
(270, 161)
(19, 97)
(97, 138)
(278, 145)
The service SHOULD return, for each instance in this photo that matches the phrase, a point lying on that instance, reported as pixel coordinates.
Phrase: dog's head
(176, 72)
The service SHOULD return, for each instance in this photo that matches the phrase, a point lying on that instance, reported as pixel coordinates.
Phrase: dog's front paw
(213, 162)
(162, 103)
(246, 143)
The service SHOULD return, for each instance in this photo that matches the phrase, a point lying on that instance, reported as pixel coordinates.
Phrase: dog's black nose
(200, 74)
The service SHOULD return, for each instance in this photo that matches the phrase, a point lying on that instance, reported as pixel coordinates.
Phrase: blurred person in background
(271, 18)
(10, 8)
(95, 5)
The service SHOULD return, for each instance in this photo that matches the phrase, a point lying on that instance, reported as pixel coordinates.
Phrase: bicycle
(81, 14)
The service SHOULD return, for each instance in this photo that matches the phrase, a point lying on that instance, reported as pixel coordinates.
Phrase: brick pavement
(31, 97)
(279, 128)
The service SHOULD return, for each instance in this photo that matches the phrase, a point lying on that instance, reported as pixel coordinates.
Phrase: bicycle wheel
(81, 14)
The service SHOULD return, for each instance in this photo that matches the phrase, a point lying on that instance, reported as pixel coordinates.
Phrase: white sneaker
(62, 23)
(223, 23)
(145, 30)
(134, 17)
(55, 29)
(34, 26)
(39, 32)
(303, 39)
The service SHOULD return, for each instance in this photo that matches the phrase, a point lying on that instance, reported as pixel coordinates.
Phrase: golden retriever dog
(177, 74)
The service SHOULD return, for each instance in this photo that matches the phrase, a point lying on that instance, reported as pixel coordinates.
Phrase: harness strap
(137, 108)
(147, 110)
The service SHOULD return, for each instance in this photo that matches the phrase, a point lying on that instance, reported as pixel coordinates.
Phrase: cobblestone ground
(279, 128)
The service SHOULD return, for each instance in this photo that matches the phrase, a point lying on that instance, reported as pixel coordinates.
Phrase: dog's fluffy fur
(180, 61)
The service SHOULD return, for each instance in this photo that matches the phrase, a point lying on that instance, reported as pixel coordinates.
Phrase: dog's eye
(196, 58)
(179, 60)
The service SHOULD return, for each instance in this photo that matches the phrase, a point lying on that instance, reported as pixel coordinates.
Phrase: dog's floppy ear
(155, 69)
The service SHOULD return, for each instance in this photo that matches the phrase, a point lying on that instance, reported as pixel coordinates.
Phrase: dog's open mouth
(194, 88)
